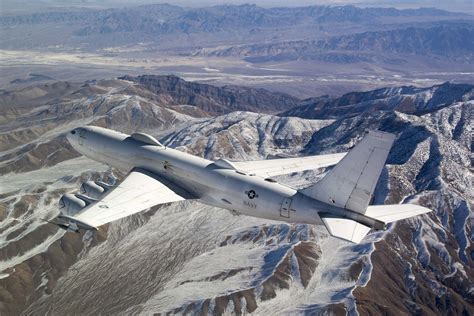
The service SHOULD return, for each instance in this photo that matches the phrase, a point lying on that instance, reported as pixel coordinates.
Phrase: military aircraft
(159, 175)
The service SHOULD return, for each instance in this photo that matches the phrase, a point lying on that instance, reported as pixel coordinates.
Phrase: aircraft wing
(275, 167)
(138, 191)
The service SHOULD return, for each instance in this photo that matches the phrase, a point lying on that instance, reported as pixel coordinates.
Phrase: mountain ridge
(406, 99)
(426, 261)
(212, 99)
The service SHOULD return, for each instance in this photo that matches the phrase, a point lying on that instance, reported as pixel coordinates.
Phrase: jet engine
(94, 189)
(70, 204)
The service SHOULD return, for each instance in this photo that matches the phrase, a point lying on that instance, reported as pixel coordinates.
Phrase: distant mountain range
(450, 40)
(172, 26)
(165, 18)
(227, 18)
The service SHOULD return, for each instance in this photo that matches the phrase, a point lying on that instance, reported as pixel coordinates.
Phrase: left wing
(138, 191)
(275, 167)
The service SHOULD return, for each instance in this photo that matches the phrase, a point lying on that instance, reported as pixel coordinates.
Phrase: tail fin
(351, 183)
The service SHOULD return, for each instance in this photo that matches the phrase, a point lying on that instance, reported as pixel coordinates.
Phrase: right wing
(138, 191)
(275, 167)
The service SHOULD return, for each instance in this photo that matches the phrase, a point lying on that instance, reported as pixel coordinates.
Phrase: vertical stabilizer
(351, 183)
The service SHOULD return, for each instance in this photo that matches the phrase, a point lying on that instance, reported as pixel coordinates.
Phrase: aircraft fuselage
(209, 182)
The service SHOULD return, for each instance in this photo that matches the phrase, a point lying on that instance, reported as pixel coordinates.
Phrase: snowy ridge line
(366, 272)
(260, 236)
(34, 220)
(48, 136)
(72, 167)
(42, 247)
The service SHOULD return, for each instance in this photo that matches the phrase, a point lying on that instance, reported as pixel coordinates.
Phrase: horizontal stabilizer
(395, 212)
(345, 228)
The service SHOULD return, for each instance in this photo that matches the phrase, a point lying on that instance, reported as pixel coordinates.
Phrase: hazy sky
(464, 5)
(21, 5)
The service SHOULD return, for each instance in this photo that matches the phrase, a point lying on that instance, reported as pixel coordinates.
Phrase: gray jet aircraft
(158, 174)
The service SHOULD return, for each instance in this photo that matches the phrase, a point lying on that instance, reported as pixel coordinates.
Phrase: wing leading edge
(138, 191)
(276, 167)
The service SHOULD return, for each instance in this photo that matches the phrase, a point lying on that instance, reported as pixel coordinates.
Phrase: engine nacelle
(94, 189)
(70, 204)
(106, 186)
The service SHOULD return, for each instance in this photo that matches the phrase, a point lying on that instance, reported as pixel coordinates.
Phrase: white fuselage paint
(210, 184)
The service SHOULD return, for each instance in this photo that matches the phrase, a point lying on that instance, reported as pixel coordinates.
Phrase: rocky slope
(31, 135)
(35, 119)
(214, 100)
(192, 258)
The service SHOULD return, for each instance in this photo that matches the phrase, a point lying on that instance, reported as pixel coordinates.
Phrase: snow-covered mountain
(191, 258)
(406, 99)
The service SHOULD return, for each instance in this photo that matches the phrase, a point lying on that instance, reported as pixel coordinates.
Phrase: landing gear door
(285, 208)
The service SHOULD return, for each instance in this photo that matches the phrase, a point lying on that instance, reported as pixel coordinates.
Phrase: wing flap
(275, 167)
(138, 191)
